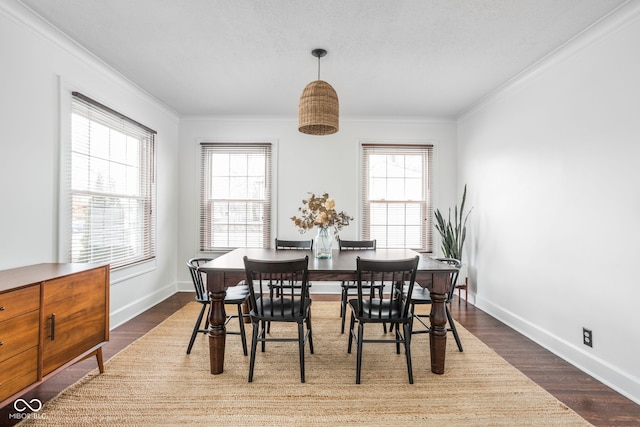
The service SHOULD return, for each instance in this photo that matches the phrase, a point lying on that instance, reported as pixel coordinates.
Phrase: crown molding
(29, 20)
(624, 15)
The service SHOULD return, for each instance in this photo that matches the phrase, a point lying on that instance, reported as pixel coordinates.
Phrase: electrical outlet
(587, 337)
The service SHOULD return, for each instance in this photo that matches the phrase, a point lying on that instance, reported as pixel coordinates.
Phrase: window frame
(203, 217)
(426, 149)
(146, 182)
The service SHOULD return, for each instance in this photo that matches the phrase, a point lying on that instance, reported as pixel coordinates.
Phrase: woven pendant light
(318, 108)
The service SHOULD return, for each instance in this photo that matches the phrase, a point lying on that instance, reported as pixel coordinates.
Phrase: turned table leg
(217, 330)
(438, 317)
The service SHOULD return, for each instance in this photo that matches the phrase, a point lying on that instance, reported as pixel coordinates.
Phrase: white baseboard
(128, 312)
(625, 383)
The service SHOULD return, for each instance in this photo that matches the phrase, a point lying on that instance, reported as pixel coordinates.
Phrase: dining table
(228, 270)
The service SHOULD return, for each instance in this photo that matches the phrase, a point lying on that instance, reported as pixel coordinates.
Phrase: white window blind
(235, 196)
(396, 198)
(111, 167)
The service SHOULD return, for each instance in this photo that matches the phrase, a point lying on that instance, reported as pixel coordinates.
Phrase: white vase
(323, 243)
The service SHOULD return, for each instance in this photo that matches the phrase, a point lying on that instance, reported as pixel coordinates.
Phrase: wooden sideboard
(51, 316)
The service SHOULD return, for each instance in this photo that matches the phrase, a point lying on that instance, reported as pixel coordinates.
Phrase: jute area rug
(153, 382)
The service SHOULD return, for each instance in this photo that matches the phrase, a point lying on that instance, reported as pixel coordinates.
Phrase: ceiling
(386, 58)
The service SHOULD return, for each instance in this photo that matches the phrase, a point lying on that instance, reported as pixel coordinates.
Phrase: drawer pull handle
(1, 343)
(2, 308)
(53, 326)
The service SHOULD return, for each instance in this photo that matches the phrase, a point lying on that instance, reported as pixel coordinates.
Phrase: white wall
(307, 164)
(38, 67)
(552, 167)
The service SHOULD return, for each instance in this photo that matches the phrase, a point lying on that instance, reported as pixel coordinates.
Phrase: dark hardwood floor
(594, 401)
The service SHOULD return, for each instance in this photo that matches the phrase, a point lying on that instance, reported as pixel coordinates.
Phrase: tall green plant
(453, 233)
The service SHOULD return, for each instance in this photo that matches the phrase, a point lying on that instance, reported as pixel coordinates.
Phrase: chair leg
(301, 349)
(351, 333)
(206, 318)
(262, 332)
(359, 352)
(196, 328)
(407, 349)
(254, 346)
(453, 328)
(310, 330)
(343, 308)
(384, 325)
(242, 334)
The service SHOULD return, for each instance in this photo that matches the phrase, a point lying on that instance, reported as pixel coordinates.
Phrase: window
(111, 168)
(235, 196)
(396, 205)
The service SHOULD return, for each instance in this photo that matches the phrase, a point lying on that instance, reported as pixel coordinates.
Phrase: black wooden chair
(421, 296)
(300, 245)
(236, 295)
(347, 286)
(370, 307)
(288, 306)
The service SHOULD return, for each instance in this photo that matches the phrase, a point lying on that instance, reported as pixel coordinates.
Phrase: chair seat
(376, 311)
(283, 310)
(419, 295)
(236, 294)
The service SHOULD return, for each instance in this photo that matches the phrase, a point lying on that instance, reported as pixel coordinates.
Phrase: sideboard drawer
(18, 372)
(15, 303)
(18, 334)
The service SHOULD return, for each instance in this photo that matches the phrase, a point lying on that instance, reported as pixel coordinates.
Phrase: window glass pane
(118, 147)
(238, 165)
(132, 181)
(413, 214)
(255, 187)
(412, 236)
(377, 165)
(379, 232)
(377, 189)
(413, 189)
(112, 193)
(413, 166)
(256, 165)
(395, 166)
(79, 172)
(235, 181)
(395, 189)
(220, 166)
(396, 236)
(378, 213)
(118, 178)
(220, 212)
(397, 179)
(220, 187)
(395, 214)
(238, 187)
(237, 213)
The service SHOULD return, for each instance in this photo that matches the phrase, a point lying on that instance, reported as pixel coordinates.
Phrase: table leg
(438, 317)
(217, 330)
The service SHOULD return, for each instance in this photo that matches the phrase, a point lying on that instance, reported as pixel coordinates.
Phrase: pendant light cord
(318, 67)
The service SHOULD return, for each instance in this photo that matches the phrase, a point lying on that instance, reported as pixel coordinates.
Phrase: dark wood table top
(340, 262)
